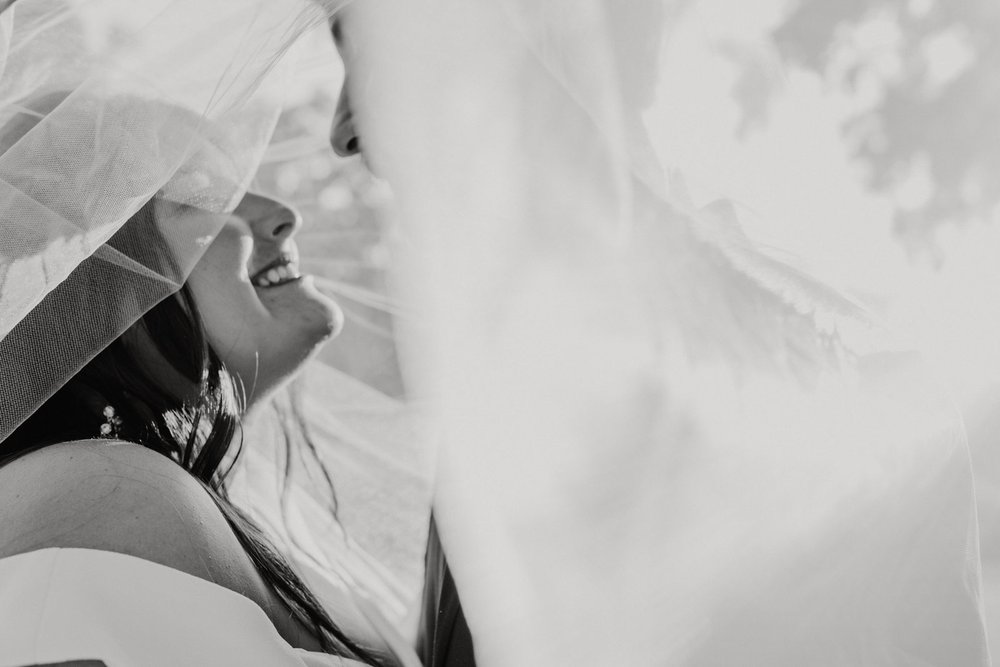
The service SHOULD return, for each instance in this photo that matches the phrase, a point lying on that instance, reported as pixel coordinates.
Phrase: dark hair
(200, 430)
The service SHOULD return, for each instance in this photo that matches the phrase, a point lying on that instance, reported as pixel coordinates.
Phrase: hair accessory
(109, 429)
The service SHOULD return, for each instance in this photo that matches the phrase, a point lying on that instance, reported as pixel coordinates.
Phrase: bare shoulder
(119, 497)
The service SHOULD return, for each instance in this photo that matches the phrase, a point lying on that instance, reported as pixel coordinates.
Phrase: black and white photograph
(499, 333)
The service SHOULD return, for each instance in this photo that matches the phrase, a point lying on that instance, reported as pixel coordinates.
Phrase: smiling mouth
(279, 272)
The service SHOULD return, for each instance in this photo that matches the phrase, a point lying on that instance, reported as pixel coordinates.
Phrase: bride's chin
(331, 322)
(303, 308)
(329, 316)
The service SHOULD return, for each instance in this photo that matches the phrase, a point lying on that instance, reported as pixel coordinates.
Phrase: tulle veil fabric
(103, 105)
(657, 445)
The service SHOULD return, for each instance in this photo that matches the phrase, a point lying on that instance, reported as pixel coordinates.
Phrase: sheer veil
(657, 444)
(102, 106)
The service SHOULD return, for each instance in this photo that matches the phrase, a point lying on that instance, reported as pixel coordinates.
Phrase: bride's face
(261, 315)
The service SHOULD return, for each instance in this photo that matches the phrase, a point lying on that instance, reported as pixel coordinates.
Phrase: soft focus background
(860, 137)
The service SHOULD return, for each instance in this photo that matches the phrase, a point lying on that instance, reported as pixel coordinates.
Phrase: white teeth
(278, 275)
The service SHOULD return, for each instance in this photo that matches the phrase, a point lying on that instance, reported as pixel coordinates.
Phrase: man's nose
(343, 135)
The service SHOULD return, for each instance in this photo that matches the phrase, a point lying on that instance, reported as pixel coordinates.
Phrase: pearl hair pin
(109, 429)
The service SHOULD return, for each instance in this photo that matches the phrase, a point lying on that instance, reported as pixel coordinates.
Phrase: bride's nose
(269, 219)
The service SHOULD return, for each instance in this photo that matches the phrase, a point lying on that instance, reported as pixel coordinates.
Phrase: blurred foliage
(928, 75)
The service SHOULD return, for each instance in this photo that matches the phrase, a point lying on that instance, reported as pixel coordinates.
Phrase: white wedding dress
(67, 605)
(92, 608)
